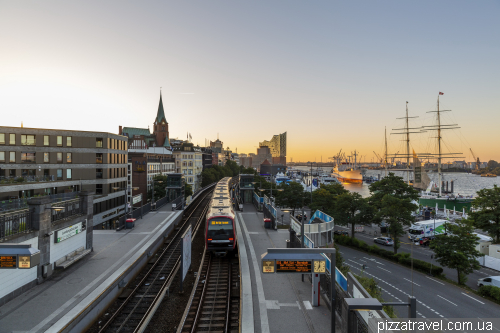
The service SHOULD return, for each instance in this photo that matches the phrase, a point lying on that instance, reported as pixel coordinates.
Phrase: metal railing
(68, 209)
(26, 179)
(16, 223)
(17, 204)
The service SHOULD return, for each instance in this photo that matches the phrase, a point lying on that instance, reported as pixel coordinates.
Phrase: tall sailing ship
(422, 181)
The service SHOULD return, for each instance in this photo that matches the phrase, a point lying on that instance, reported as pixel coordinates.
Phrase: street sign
(8, 262)
(136, 199)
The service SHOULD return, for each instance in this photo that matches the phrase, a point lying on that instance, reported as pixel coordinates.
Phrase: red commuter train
(220, 228)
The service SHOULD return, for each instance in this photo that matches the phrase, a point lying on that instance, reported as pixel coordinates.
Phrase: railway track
(215, 305)
(139, 303)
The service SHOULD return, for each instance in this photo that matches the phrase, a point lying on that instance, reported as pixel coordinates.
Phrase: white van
(489, 281)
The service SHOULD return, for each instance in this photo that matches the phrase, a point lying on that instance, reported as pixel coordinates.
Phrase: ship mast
(439, 127)
(406, 132)
(407, 146)
(385, 151)
(439, 147)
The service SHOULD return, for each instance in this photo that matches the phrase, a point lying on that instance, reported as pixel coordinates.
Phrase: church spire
(161, 114)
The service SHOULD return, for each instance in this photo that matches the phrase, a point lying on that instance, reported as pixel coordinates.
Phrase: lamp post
(126, 189)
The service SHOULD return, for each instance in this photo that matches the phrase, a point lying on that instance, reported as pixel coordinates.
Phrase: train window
(220, 228)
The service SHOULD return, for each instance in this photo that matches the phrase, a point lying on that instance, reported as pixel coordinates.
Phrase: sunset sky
(332, 74)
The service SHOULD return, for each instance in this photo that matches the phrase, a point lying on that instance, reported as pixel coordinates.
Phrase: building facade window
(59, 158)
(98, 189)
(45, 157)
(68, 157)
(98, 142)
(59, 174)
(2, 138)
(28, 158)
(69, 142)
(12, 139)
(98, 173)
(2, 156)
(12, 157)
(59, 140)
(98, 158)
(68, 174)
(46, 140)
(28, 140)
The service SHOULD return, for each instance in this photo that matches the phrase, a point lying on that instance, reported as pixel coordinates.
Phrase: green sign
(68, 232)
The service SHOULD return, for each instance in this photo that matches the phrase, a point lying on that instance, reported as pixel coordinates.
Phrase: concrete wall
(495, 251)
(12, 281)
(59, 250)
(483, 247)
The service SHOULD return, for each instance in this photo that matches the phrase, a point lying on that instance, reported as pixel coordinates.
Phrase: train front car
(220, 231)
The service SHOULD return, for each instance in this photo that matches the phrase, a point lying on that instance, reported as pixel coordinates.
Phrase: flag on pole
(440, 93)
(190, 137)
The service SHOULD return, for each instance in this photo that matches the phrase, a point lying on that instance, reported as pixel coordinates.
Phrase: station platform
(52, 305)
(276, 303)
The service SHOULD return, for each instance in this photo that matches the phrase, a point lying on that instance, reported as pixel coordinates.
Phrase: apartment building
(39, 162)
(189, 162)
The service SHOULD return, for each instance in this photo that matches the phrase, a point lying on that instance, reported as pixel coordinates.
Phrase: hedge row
(402, 258)
(490, 291)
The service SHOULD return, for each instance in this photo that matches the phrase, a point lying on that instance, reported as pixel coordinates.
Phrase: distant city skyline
(331, 75)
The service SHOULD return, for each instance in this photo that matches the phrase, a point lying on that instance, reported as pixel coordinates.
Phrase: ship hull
(352, 176)
(458, 203)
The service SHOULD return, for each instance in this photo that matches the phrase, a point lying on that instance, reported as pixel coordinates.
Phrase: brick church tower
(160, 127)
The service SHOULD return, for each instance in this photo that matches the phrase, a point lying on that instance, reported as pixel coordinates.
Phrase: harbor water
(465, 184)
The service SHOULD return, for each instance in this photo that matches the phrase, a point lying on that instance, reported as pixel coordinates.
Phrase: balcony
(26, 179)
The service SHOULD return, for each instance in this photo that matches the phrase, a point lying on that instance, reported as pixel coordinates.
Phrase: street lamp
(126, 189)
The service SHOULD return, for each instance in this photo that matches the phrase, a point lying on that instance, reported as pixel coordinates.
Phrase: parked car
(384, 241)
(341, 232)
(489, 281)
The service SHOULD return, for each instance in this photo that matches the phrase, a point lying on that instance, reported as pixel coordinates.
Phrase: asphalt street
(435, 298)
(423, 253)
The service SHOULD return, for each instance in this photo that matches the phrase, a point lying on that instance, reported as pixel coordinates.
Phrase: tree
(292, 196)
(233, 167)
(487, 215)
(457, 249)
(352, 208)
(492, 165)
(339, 261)
(188, 190)
(160, 182)
(392, 199)
(325, 197)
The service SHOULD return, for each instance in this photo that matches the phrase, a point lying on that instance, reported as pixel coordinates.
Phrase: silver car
(384, 241)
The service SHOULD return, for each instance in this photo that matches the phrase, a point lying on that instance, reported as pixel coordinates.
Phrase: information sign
(8, 261)
(186, 252)
(293, 266)
(136, 199)
(268, 266)
(24, 262)
(68, 232)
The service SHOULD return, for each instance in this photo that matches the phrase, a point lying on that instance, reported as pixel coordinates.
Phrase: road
(423, 253)
(435, 298)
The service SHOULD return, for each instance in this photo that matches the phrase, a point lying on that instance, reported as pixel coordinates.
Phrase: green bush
(402, 258)
(490, 291)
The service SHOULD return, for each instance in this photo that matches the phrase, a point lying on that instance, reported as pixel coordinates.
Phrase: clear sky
(332, 74)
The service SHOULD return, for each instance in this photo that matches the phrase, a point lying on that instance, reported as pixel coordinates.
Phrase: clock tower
(160, 127)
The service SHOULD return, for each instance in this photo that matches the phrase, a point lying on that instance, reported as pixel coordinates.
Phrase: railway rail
(140, 303)
(215, 305)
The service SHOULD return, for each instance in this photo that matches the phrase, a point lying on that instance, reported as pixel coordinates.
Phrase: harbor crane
(378, 157)
(476, 159)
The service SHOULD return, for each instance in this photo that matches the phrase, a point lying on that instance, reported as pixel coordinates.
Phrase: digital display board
(285, 266)
(8, 261)
(219, 222)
